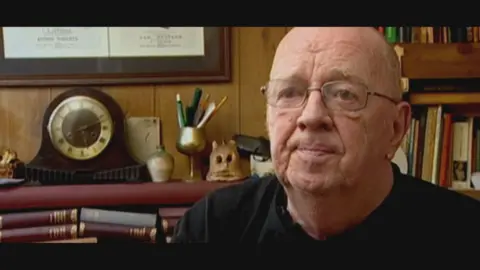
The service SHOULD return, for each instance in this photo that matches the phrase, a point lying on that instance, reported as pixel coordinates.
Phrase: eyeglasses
(336, 95)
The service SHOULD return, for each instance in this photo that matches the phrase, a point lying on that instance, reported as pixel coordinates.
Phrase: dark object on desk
(248, 145)
(83, 141)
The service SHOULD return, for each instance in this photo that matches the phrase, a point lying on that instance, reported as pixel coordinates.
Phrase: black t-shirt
(254, 211)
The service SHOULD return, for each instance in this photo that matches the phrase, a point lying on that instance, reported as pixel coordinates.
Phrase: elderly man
(335, 119)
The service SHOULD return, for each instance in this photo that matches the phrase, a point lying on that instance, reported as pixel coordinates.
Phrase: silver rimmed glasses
(337, 95)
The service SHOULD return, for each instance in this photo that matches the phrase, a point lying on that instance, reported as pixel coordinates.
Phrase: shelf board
(444, 98)
(469, 192)
(72, 196)
(454, 60)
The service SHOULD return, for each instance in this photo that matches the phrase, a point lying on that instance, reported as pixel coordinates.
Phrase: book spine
(89, 240)
(170, 216)
(36, 234)
(144, 234)
(168, 225)
(38, 219)
(90, 215)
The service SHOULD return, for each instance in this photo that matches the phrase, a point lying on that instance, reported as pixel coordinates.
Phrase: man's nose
(315, 114)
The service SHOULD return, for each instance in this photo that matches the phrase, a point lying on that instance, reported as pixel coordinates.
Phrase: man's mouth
(316, 150)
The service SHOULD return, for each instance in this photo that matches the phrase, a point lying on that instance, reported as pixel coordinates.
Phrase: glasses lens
(344, 96)
(285, 94)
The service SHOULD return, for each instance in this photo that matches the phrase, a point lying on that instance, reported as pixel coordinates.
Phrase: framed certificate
(54, 56)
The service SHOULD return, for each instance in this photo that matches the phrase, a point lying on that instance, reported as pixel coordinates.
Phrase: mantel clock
(83, 141)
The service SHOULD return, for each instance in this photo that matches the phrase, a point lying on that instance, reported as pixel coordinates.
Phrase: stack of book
(119, 225)
(41, 226)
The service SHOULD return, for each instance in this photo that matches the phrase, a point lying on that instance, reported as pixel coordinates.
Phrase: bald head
(364, 47)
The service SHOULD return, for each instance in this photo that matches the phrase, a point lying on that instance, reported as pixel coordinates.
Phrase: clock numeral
(82, 153)
(102, 140)
(104, 127)
(69, 150)
(61, 141)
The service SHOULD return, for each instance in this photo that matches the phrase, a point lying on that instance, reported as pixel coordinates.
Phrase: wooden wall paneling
(55, 91)
(135, 100)
(257, 49)
(21, 112)
(222, 127)
(138, 100)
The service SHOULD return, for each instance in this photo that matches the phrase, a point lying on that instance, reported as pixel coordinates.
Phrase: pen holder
(190, 142)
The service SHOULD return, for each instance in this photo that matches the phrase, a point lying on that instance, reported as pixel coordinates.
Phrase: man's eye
(289, 93)
(345, 95)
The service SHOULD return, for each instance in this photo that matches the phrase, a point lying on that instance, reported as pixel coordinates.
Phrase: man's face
(315, 148)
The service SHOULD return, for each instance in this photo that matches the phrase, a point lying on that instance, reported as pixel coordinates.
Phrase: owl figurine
(224, 162)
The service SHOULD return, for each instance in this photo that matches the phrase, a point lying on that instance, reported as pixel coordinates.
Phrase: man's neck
(335, 211)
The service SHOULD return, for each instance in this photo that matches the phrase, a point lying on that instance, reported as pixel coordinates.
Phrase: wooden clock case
(114, 157)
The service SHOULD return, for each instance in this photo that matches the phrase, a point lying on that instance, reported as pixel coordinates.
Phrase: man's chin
(312, 183)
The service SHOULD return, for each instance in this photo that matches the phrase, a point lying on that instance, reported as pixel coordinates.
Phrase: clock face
(80, 127)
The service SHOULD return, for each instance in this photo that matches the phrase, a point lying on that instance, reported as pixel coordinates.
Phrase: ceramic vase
(160, 165)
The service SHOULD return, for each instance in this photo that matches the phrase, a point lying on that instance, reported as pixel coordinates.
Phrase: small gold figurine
(8, 163)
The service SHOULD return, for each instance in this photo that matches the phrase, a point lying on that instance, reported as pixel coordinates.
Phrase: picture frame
(213, 66)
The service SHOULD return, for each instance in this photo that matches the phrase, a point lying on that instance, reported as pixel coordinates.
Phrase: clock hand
(82, 128)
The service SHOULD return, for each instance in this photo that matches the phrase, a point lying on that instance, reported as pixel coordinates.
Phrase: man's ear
(401, 124)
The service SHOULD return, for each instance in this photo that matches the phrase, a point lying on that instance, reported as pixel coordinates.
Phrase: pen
(220, 104)
(192, 110)
(196, 98)
(201, 110)
(180, 115)
(198, 116)
(206, 116)
(205, 102)
(188, 115)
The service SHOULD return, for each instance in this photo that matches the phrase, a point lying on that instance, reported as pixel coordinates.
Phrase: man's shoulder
(423, 210)
(247, 193)
(433, 194)
(439, 203)
(226, 211)
(244, 187)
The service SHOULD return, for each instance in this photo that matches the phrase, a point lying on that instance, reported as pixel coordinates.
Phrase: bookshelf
(442, 65)
(54, 213)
